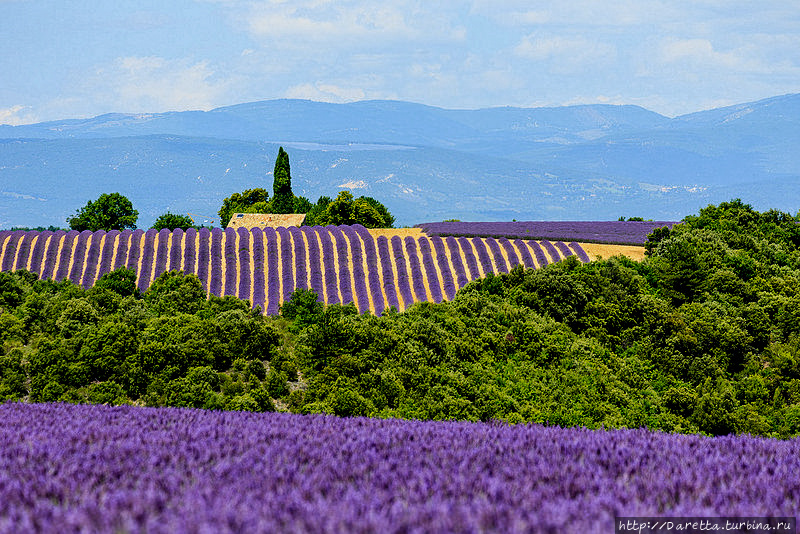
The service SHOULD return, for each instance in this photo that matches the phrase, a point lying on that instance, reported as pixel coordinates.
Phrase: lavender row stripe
(403, 281)
(259, 297)
(243, 291)
(382, 245)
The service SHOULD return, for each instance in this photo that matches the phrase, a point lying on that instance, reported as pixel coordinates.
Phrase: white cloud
(349, 23)
(136, 84)
(17, 115)
(325, 92)
(568, 54)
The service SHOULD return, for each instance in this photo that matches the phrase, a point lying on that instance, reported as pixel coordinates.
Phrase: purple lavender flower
(345, 288)
(37, 255)
(415, 269)
(175, 252)
(107, 253)
(190, 251)
(525, 254)
(373, 272)
(327, 260)
(615, 232)
(51, 255)
(551, 250)
(231, 262)
(244, 264)
(135, 250)
(494, 247)
(78, 254)
(300, 264)
(430, 270)
(216, 256)
(458, 261)
(10, 249)
(462, 245)
(359, 277)
(314, 264)
(287, 261)
(92, 259)
(403, 282)
(513, 259)
(538, 253)
(563, 249)
(447, 274)
(273, 280)
(124, 241)
(576, 247)
(386, 259)
(25, 249)
(203, 257)
(84, 468)
(483, 254)
(66, 255)
(162, 252)
(259, 296)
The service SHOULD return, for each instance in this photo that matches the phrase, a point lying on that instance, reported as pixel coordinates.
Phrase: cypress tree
(282, 198)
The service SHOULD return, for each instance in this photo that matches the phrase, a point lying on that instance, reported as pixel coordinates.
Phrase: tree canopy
(171, 221)
(111, 211)
(348, 210)
(249, 201)
(282, 196)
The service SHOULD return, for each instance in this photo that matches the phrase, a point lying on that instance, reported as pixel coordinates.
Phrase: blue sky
(73, 58)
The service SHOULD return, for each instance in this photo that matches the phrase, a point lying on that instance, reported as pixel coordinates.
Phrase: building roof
(265, 220)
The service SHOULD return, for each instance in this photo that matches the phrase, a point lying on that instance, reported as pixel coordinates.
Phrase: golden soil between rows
(597, 251)
(402, 232)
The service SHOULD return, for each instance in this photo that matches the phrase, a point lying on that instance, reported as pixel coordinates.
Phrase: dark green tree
(347, 210)
(121, 281)
(388, 218)
(249, 201)
(282, 196)
(174, 292)
(171, 221)
(111, 211)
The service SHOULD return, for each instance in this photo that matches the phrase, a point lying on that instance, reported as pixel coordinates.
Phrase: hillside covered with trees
(702, 336)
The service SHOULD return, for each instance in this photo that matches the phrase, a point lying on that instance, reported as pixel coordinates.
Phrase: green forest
(703, 336)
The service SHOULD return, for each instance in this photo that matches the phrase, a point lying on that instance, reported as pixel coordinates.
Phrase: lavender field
(73, 468)
(342, 264)
(611, 232)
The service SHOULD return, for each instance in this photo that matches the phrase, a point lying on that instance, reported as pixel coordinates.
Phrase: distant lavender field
(612, 232)
(68, 468)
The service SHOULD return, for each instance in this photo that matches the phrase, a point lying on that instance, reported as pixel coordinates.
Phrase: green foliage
(282, 197)
(175, 292)
(702, 336)
(302, 309)
(313, 215)
(121, 281)
(171, 221)
(302, 205)
(347, 210)
(109, 212)
(249, 201)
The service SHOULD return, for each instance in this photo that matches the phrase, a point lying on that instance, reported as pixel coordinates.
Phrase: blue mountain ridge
(588, 162)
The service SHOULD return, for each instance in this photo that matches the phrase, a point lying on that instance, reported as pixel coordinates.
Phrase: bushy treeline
(702, 336)
(109, 344)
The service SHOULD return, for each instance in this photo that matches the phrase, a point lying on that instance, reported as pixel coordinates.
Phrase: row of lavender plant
(613, 232)
(330, 260)
(79, 468)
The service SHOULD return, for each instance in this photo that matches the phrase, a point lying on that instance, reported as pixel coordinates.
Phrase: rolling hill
(592, 162)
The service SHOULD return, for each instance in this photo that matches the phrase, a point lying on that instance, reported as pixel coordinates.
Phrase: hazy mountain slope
(425, 163)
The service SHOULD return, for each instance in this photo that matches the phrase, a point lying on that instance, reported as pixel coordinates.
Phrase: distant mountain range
(592, 162)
